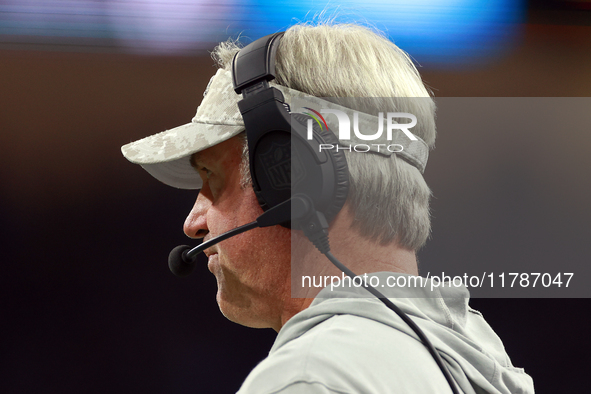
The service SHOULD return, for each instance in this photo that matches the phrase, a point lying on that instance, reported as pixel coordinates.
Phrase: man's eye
(205, 171)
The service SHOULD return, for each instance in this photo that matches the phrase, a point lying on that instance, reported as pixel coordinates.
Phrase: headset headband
(255, 63)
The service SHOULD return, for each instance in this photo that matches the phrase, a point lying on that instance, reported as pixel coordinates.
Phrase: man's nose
(196, 223)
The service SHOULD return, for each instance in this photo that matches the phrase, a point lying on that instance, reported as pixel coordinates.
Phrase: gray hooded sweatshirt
(349, 342)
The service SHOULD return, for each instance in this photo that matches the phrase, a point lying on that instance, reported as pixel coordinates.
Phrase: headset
(283, 162)
(296, 184)
(285, 165)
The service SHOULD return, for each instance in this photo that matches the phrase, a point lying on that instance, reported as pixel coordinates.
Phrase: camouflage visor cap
(167, 155)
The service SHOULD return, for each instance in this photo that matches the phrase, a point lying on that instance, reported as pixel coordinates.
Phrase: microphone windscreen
(177, 263)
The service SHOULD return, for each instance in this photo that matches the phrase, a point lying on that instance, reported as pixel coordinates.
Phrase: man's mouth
(210, 252)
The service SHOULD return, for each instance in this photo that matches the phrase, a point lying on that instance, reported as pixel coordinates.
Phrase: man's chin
(239, 315)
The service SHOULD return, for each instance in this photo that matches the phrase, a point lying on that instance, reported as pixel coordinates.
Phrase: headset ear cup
(341, 175)
(334, 199)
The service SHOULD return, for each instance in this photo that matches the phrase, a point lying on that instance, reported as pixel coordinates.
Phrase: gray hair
(388, 196)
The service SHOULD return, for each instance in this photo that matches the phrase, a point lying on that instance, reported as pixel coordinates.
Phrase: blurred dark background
(88, 304)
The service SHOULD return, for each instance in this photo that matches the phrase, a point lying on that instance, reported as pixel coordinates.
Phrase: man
(339, 340)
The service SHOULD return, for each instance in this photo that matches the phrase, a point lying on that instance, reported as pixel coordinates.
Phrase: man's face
(252, 269)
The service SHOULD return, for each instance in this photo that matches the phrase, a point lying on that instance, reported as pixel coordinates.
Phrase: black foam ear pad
(270, 168)
(326, 173)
